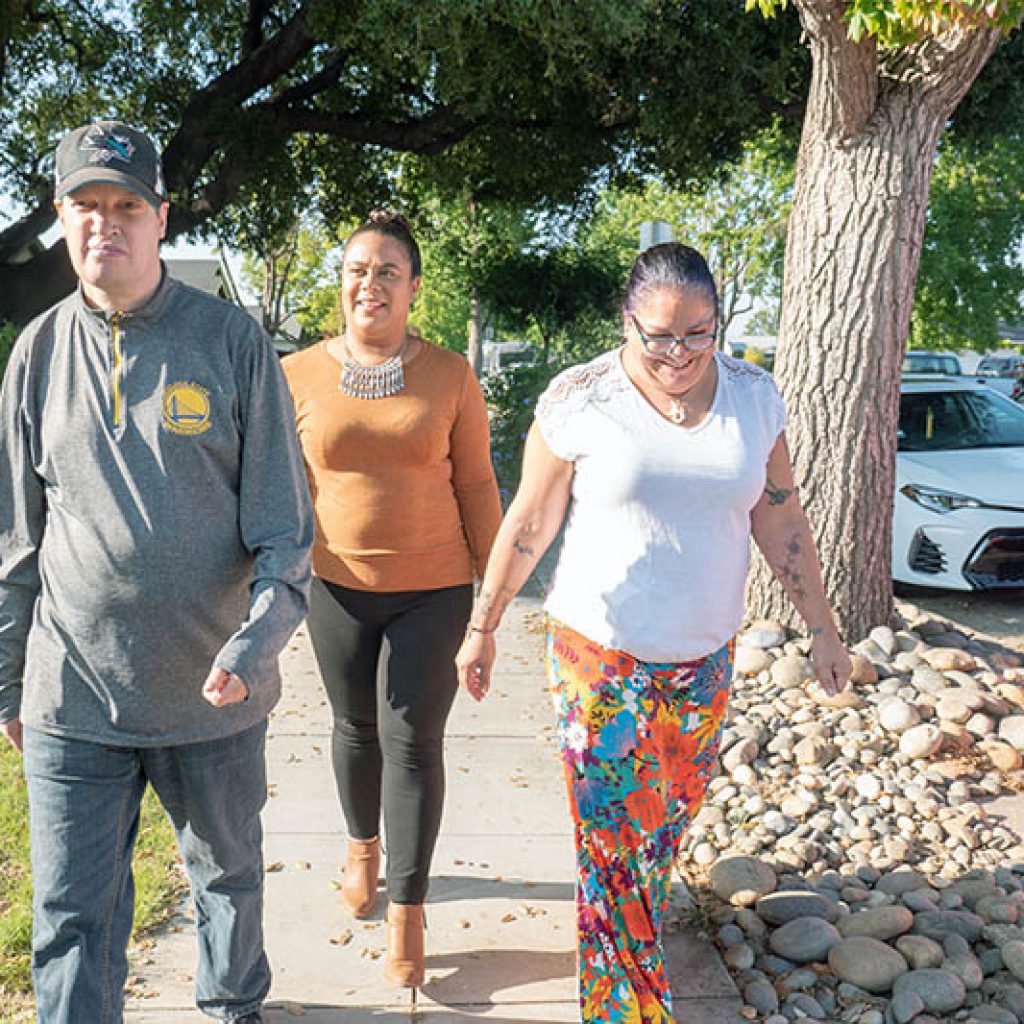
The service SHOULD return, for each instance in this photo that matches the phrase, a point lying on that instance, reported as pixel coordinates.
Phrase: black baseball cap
(110, 151)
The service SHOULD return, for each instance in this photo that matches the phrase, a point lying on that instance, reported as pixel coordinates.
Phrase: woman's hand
(474, 662)
(831, 661)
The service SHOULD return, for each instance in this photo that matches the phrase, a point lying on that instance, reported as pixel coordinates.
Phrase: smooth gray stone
(996, 1014)
(974, 889)
(805, 1003)
(901, 881)
(775, 964)
(782, 907)
(1013, 957)
(1000, 934)
(805, 940)
(827, 1000)
(920, 951)
(877, 922)
(741, 880)
(731, 935)
(967, 968)
(739, 957)
(906, 1006)
(991, 960)
(941, 991)
(1012, 997)
(937, 924)
(761, 995)
(751, 923)
(866, 962)
(919, 901)
(998, 909)
(801, 979)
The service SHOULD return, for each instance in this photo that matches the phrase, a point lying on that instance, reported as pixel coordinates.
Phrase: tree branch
(844, 79)
(24, 231)
(252, 27)
(328, 76)
(200, 133)
(944, 66)
(428, 135)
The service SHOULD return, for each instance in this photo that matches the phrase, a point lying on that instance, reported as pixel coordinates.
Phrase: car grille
(926, 555)
(998, 561)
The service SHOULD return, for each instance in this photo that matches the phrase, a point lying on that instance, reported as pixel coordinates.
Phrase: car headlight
(935, 500)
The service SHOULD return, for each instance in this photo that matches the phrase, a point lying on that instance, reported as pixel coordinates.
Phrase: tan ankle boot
(359, 886)
(403, 965)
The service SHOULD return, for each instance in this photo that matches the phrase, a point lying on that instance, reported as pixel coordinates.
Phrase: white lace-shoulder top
(657, 538)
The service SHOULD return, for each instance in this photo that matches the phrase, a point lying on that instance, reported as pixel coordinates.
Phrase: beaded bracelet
(478, 629)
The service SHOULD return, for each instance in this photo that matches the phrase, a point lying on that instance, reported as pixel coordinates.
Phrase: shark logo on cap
(104, 146)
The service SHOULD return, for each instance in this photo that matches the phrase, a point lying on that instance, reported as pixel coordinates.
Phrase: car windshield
(994, 367)
(926, 362)
(944, 420)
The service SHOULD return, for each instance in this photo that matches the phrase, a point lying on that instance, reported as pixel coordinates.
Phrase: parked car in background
(500, 355)
(922, 361)
(1000, 372)
(958, 519)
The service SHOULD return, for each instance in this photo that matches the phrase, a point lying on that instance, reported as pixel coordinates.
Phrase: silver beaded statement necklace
(380, 381)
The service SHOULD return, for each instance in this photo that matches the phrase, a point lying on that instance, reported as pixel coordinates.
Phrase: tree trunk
(474, 343)
(26, 289)
(852, 253)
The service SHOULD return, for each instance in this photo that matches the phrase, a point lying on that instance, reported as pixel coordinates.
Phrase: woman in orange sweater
(395, 436)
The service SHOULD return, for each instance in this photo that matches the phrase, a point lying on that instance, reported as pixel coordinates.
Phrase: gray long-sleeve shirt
(154, 520)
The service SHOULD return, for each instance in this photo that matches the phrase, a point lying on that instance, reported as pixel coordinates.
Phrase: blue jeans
(84, 812)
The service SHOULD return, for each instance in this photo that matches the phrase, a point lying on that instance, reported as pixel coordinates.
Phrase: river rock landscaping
(844, 857)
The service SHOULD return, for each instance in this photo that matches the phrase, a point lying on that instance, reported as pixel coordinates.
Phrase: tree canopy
(287, 104)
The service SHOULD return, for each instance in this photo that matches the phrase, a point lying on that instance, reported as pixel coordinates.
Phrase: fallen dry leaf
(277, 865)
(342, 940)
(294, 1009)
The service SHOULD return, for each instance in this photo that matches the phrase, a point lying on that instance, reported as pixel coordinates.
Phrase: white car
(959, 509)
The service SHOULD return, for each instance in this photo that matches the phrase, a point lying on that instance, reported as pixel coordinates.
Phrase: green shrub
(511, 397)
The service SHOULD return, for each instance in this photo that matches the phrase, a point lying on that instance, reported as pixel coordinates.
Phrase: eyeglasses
(665, 344)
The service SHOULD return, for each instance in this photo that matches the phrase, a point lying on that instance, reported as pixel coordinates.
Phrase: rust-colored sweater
(403, 487)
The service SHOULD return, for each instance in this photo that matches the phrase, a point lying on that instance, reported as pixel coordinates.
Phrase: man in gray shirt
(154, 560)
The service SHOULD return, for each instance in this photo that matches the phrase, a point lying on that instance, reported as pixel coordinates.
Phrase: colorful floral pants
(638, 741)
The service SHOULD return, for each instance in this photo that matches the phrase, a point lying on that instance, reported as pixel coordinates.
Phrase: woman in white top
(669, 456)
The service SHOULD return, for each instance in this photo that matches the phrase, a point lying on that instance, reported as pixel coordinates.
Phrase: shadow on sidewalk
(455, 888)
(493, 971)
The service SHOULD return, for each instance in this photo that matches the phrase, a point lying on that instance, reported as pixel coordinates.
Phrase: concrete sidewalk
(500, 938)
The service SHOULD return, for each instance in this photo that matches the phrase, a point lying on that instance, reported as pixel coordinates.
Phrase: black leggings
(387, 662)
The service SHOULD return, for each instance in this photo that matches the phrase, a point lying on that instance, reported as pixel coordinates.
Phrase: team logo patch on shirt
(186, 408)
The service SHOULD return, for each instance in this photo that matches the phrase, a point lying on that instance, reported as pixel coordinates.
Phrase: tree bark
(852, 253)
(474, 343)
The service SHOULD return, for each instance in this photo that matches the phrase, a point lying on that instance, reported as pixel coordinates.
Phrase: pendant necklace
(676, 411)
(380, 381)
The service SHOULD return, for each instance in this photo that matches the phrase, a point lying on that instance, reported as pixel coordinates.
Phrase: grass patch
(158, 882)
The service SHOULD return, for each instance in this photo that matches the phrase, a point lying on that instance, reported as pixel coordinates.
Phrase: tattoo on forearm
(521, 548)
(790, 574)
(489, 604)
(776, 495)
